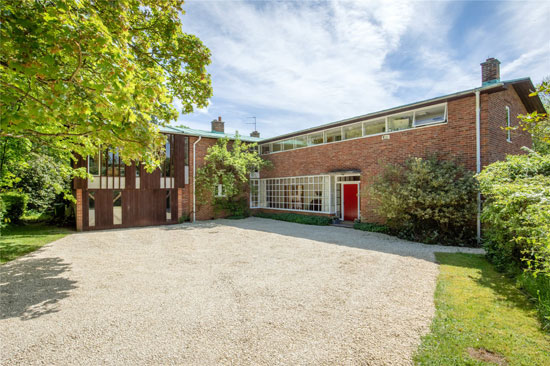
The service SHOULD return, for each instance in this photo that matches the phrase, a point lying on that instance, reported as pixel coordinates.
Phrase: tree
(79, 74)
(230, 165)
(538, 124)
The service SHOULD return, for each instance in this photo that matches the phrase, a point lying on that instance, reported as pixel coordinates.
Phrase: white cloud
(296, 65)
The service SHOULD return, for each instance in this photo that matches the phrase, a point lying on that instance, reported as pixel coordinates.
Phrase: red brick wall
(455, 140)
(79, 208)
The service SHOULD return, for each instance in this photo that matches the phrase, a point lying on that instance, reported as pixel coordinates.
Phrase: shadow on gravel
(31, 288)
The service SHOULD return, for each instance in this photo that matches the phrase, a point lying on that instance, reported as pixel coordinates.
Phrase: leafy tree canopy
(77, 74)
(538, 124)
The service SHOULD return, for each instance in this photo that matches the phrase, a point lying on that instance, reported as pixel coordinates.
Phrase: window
(353, 131)
(167, 166)
(315, 139)
(334, 135)
(277, 146)
(219, 191)
(93, 164)
(117, 207)
(310, 193)
(400, 122)
(288, 145)
(266, 149)
(508, 130)
(254, 192)
(429, 116)
(91, 208)
(374, 127)
(300, 141)
(168, 207)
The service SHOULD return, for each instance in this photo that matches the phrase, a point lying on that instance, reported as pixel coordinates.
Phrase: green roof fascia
(208, 134)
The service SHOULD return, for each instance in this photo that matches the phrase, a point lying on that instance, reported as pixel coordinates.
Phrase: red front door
(351, 201)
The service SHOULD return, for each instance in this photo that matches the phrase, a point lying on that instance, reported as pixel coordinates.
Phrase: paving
(223, 292)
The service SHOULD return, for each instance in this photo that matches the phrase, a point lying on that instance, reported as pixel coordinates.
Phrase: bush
(2, 223)
(15, 204)
(538, 288)
(235, 207)
(516, 212)
(297, 218)
(375, 228)
(428, 200)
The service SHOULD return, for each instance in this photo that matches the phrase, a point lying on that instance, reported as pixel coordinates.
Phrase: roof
(522, 86)
(209, 134)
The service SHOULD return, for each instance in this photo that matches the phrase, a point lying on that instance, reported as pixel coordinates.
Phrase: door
(351, 201)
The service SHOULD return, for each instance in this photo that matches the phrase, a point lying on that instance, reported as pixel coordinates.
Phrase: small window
(508, 125)
(117, 207)
(277, 146)
(266, 149)
(429, 116)
(353, 131)
(315, 139)
(288, 145)
(400, 122)
(334, 135)
(374, 127)
(91, 208)
(219, 191)
(300, 141)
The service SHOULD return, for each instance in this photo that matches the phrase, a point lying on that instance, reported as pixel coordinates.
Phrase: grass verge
(297, 218)
(481, 318)
(18, 240)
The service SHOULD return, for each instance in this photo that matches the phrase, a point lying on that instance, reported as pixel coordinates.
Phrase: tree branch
(26, 94)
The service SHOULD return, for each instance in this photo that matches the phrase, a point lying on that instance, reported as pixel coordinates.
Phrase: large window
(310, 193)
(392, 123)
(107, 168)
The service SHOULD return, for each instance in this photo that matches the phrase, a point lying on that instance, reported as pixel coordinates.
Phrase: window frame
(508, 125)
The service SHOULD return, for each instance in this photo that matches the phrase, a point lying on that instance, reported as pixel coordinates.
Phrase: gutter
(194, 173)
(478, 162)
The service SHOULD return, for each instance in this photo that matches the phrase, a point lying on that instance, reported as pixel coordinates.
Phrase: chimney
(490, 71)
(217, 125)
(255, 134)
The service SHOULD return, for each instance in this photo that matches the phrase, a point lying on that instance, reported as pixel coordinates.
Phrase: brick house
(320, 170)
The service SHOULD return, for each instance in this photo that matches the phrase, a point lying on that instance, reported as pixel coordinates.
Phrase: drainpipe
(478, 162)
(194, 169)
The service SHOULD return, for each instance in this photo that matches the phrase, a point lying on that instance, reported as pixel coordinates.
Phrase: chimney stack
(217, 125)
(255, 134)
(490, 71)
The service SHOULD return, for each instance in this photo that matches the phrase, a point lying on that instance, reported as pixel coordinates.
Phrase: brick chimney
(217, 125)
(490, 71)
(255, 134)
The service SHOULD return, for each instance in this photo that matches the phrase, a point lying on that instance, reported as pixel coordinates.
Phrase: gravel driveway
(246, 292)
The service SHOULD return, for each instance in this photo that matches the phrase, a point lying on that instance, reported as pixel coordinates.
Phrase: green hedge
(15, 205)
(375, 228)
(297, 218)
(2, 223)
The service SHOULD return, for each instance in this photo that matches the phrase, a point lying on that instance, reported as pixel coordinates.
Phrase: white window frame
(219, 191)
(508, 125)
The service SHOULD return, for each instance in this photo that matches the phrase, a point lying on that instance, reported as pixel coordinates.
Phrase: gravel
(224, 292)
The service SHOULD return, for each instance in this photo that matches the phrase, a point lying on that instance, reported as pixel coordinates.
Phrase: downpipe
(478, 163)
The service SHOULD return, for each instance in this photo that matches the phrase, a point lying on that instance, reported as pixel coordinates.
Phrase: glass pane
(266, 149)
(334, 135)
(91, 208)
(400, 122)
(315, 139)
(301, 141)
(288, 145)
(376, 126)
(93, 164)
(116, 163)
(104, 163)
(427, 116)
(353, 131)
(117, 207)
(277, 146)
(168, 207)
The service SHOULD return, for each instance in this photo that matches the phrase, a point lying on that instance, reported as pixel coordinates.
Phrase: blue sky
(295, 65)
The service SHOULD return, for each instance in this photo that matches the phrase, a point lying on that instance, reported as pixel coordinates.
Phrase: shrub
(297, 218)
(538, 288)
(375, 228)
(428, 200)
(516, 212)
(2, 223)
(235, 207)
(15, 204)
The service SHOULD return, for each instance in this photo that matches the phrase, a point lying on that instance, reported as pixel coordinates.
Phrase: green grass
(18, 240)
(538, 289)
(480, 308)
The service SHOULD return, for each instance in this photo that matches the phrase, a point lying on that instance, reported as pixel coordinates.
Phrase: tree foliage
(517, 211)
(538, 124)
(229, 164)
(427, 200)
(77, 74)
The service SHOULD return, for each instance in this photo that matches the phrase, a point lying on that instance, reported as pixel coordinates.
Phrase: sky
(295, 65)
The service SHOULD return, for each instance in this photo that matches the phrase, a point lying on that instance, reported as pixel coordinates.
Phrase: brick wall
(79, 208)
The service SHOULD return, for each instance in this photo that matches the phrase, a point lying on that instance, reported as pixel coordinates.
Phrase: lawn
(481, 318)
(18, 240)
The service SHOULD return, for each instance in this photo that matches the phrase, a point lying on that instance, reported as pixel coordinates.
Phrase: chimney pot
(490, 71)
(218, 125)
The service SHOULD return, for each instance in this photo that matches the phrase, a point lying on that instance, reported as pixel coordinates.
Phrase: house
(320, 170)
